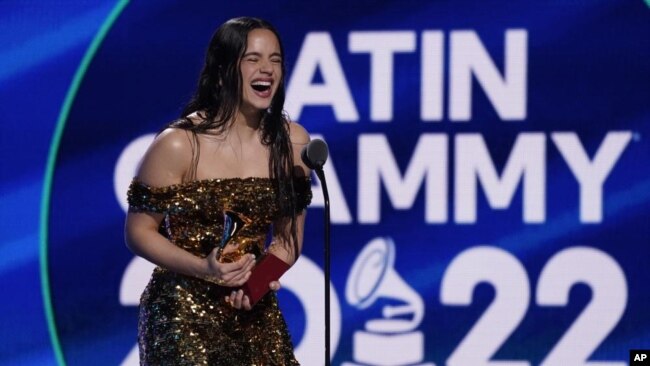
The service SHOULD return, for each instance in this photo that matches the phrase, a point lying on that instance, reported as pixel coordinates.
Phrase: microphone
(314, 154)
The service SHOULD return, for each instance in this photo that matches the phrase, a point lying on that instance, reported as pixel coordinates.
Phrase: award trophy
(268, 267)
(233, 222)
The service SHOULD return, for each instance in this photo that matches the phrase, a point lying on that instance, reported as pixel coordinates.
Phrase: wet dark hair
(218, 97)
(218, 94)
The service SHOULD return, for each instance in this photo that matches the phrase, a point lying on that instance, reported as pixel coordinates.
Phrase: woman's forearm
(155, 248)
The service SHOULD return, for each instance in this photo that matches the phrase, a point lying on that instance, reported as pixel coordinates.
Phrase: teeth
(262, 83)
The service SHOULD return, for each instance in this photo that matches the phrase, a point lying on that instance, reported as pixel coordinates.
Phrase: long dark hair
(218, 97)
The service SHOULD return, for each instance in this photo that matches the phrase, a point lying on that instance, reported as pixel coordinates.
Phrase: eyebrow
(278, 54)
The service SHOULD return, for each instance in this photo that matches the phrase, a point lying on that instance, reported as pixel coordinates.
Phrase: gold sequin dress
(185, 320)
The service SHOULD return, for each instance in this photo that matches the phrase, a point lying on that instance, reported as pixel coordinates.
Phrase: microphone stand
(314, 155)
(326, 253)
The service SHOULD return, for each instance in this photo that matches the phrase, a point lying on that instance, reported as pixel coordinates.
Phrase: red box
(269, 268)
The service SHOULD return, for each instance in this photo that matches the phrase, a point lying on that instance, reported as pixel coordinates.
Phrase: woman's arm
(166, 163)
(283, 245)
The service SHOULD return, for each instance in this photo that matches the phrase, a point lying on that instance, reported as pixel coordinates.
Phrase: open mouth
(261, 86)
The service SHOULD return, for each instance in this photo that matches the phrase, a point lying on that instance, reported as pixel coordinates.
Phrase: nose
(266, 67)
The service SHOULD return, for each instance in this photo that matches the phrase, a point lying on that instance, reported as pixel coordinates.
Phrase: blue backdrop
(487, 174)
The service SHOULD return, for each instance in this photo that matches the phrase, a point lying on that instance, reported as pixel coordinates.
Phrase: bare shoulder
(298, 134)
(173, 141)
(168, 158)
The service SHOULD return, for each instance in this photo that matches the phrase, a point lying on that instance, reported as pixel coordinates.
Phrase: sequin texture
(185, 320)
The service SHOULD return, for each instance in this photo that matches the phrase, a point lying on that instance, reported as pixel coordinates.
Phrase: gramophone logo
(392, 340)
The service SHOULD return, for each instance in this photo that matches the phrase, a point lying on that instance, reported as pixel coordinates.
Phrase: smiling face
(261, 71)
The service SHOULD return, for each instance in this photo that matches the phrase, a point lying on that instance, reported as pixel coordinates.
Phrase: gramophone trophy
(233, 222)
(268, 267)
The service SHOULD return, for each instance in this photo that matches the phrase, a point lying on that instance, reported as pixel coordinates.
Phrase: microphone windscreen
(314, 154)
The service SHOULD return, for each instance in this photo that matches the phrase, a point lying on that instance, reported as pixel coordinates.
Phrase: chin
(255, 107)
(261, 107)
(260, 104)
(257, 102)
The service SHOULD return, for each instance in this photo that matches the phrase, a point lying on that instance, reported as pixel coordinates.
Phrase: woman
(233, 149)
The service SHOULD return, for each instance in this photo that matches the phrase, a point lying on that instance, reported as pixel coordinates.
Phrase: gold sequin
(185, 320)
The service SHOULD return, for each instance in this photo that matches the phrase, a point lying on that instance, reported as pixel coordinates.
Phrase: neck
(247, 124)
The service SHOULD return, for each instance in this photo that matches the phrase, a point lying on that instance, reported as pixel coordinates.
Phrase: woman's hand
(232, 274)
(238, 300)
